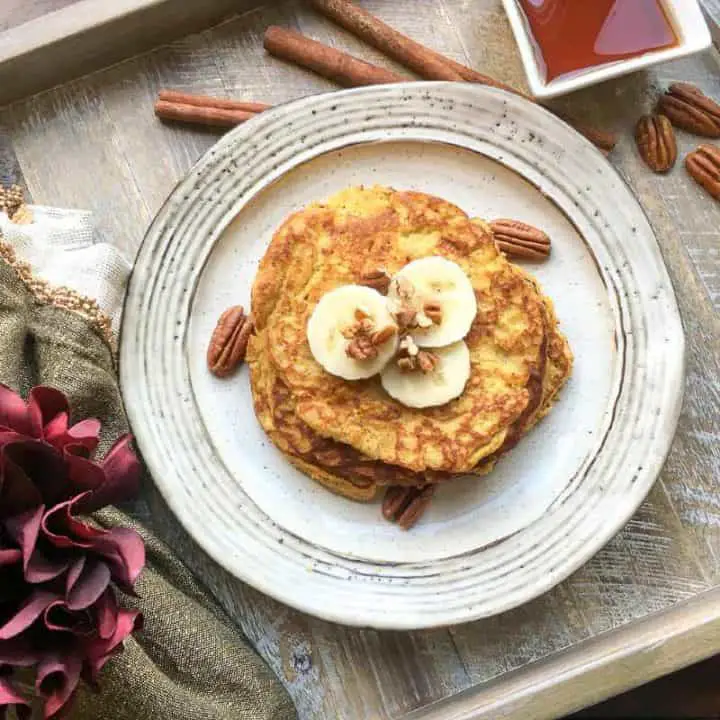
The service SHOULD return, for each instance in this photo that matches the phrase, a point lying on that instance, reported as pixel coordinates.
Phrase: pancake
(341, 469)
(356, 232)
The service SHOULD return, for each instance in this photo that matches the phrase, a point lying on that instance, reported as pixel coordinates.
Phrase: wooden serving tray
(646, 605)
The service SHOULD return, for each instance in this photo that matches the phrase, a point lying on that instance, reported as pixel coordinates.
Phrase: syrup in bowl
(574, 35)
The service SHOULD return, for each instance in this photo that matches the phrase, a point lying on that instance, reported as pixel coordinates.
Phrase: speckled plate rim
(594, 506)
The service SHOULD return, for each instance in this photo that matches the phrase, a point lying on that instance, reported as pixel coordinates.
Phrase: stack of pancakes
(352, 437)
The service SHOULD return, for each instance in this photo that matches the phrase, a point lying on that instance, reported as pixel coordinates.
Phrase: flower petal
(65, 531)
(59, 618)
(24, 529)
(18, 653)
(106, 609)
(84, 474)
(41, 570)
(18, 493)
(99, 651)
(8, 436)
(14, 413)
(86, 433)
(74, 573)
(122, 477)
(45, 404)
(124, 551)
(27, 614)
(56, 428)
(92, 584)
(10, 557)
(9, 696)
(44, 467)
(56, 681)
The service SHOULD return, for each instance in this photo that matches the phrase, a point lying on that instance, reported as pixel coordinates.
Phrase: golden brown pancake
(357, 231)
(343, 470)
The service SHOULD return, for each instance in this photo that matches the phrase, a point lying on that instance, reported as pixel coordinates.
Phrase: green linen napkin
(190, 661)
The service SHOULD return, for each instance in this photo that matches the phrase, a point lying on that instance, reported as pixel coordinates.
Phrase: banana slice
(351, 332)
(418, 388)
(442, 296)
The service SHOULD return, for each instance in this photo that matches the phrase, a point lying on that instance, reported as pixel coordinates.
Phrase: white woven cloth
(64, 249)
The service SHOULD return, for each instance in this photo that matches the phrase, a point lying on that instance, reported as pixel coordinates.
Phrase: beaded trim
(62, 297)
(12, 203)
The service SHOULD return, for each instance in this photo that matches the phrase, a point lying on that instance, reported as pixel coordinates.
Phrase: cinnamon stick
(333, 64)
(425, 61)
(386, 39)
(201, 115)
(206, 101)
(604, 140)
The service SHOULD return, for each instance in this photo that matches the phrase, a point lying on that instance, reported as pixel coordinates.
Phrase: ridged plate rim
(157, 390)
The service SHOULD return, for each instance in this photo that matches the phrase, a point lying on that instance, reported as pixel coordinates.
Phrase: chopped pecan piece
(427, 361)
(361, 347)
(382, 336)
(433, 310)
(377, 279)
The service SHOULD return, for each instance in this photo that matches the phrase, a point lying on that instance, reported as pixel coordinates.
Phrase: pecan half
(361, 347)
(377, 279)
(703, 164)
(656, 144)
(406, 364)
(229, 342)
(382, 336)
(427, 361)
(405, 505)
(434, 311)
(690, 109)
(406, 319)
(520, 240)
(411, 358)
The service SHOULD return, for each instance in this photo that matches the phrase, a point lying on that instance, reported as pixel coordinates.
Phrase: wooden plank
(594, 670)
(18, 12)
(711, 9)
(10, 173)
(70, 131)
(644, 569)
(90, 34)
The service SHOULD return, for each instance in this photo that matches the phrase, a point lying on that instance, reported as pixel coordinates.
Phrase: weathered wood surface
(95, 144)
(17, 12)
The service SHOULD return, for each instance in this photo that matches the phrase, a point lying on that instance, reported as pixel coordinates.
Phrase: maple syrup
(574, 35)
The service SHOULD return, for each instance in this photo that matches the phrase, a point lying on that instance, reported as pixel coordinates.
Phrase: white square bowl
(685, 15)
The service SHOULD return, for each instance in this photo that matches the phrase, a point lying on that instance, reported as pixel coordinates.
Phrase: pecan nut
(361, 347)
(703, 165)
(520, 240)
(433, 310)
(405, 505)
(377, 280)
(382, 336)
(229, 342)
(656, 144)
(689, 108)
(427, 361)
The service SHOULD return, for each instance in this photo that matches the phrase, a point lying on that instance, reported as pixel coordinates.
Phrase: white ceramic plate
(485, 545)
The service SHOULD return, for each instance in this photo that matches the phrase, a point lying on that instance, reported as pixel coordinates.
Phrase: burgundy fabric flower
(59, 615)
